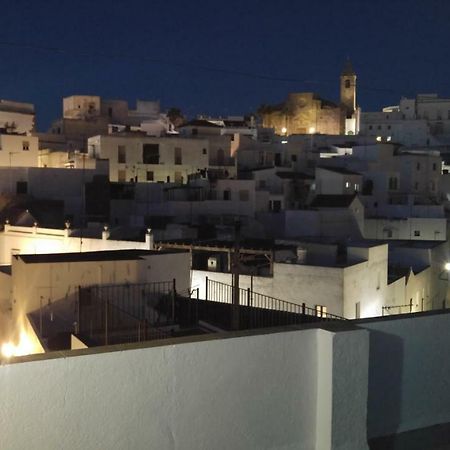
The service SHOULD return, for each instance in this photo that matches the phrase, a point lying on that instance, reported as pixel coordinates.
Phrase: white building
(351, 284)
(423, 121)
(337, 181)
(149, 159)
(17, 117)
(19, 150)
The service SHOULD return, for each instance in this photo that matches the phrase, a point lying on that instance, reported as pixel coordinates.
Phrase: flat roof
(106, 255)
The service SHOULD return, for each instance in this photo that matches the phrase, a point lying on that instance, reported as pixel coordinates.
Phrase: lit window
(378, 138)
(321, 311)
(347, 184)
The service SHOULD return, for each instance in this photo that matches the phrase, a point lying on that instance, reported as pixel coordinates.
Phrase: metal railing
(223, 293)
(109, 314)
(113, 314)
(397, 309)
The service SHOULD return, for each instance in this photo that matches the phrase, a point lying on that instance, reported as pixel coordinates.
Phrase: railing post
(106, 321)
(196, 305)
(249, 299)
(174, 293)
(303, 308)
(40, 316)
(206, 289)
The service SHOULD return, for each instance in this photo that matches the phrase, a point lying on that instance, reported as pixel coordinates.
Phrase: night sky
(259, 50)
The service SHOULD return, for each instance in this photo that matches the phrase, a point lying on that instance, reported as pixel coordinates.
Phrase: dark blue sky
(398, 47)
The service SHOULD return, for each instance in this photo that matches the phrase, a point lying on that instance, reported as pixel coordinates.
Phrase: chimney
(105, 233)
(66, 229)
(149, 239)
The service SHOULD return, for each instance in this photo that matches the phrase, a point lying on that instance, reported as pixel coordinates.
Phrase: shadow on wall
(385, 384)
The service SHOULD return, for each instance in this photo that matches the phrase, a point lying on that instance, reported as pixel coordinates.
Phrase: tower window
(347, 84)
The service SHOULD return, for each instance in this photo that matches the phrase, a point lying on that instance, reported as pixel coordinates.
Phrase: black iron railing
(136, 312)
(222, 292)
(109, 314)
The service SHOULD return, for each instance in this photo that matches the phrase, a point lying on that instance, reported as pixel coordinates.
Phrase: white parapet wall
(276, 390)
(409, 367)
(37, 240)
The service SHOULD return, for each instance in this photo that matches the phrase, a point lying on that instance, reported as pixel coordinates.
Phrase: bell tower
(348, 89)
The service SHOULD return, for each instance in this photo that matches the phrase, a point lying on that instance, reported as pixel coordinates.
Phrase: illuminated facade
(307, 113)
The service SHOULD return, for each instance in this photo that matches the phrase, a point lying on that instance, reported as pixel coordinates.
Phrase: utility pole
(235, 266)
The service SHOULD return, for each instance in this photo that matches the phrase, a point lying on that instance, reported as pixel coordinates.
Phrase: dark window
(388, 127)
(379, 127)
(21, 187)
(150, 175)
(227, 195)
(150, 153)
(347, 84)
(293, 158)
(434, 166)
(178, 158)
(121, 154)
(370, 127)
(204, 151)
(393, 183)
(110, 111)
(418, 166)
(276, 205)
(220, 157)
(25, 145)
(277, 159)
(416, 232)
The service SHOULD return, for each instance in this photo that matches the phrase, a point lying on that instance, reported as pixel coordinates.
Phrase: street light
(447, 278)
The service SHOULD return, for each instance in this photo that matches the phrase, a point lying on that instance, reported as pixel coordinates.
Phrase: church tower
(350, 111)
(348, 88)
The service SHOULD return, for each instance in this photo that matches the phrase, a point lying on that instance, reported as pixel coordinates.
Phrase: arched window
(347, 84)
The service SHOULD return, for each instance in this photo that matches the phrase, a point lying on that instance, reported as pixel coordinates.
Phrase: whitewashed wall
(409, 367)
(302, 390)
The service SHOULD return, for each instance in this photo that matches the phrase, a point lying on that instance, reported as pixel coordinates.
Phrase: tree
(176, 117)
